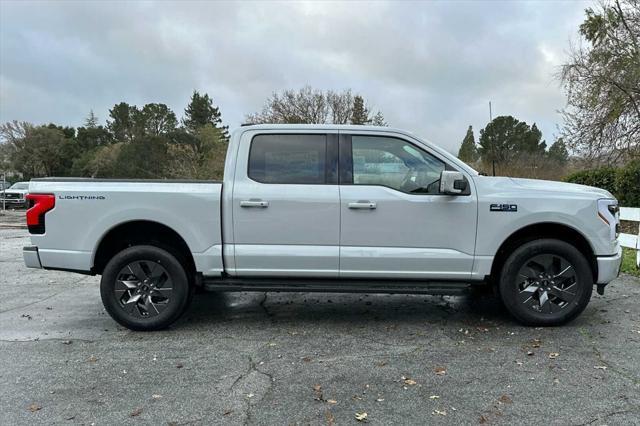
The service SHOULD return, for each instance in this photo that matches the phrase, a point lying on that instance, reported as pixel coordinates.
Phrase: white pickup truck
(328, 208)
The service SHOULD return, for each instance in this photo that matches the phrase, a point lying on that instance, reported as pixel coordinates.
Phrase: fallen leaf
(535, 343)
(70, 417)
(34, 407)
(332, 401)
(505, 399)
(410, 382)
(317, 389)
(330, 419)
(226, 413)
(440, 371)
(307, 359)
(439, 412)
(136, 412)
(92, 359)
(361, 417)
(383, 363)
(483, 420)
(554, 355)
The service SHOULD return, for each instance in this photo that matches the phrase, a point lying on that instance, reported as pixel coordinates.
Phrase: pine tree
(360, 114)
(122, 123)
(468, 151)
(91, 122)
(378, 120)
(201, 112)
(558, 152)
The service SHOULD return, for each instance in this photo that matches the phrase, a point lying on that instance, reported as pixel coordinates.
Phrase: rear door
(286, 205)
(394, 220)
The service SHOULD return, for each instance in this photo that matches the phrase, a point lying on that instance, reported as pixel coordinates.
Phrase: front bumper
(31, 257)
(609, 267)
(14, 202)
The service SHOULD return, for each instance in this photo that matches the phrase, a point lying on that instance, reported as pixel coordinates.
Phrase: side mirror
(452, 183)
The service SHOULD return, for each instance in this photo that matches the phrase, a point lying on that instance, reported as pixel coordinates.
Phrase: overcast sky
(431, 67)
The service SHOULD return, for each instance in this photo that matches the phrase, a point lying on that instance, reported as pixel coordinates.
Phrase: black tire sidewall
(508, 278)
(180, 296)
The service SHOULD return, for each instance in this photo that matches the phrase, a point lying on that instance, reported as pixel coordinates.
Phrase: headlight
(609, 212)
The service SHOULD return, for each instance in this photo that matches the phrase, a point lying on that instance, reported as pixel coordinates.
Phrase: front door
(286, 205)
(394, 220)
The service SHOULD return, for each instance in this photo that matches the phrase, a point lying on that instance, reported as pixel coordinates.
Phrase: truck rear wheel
(145, 288)
(546, 282)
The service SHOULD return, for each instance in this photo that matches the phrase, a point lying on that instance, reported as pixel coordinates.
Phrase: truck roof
(320, 127)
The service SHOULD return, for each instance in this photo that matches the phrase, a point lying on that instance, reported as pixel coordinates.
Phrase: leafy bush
(623, 183)
(604, 178)
(628, 184)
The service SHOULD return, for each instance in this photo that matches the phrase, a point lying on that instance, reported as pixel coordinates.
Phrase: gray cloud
(431, 67)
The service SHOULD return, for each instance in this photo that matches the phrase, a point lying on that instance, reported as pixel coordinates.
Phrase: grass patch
(629, 262)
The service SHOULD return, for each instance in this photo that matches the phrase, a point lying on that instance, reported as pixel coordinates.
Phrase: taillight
(39, 204)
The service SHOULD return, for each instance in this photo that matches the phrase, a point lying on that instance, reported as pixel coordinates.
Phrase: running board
(339, 286)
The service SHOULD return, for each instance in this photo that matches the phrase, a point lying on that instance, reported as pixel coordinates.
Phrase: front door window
(396, 164)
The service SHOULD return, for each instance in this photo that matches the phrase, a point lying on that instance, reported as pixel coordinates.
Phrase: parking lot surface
(300, 358)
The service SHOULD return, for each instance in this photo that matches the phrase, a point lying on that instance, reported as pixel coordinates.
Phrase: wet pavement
(300, 358)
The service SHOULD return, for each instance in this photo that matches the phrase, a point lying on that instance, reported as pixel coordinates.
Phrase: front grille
(11, 196)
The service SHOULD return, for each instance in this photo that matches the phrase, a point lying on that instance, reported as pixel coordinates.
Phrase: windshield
(20, 185)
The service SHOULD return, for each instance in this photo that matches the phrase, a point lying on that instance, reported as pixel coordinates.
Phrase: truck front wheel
(145, 288)
(546, 282)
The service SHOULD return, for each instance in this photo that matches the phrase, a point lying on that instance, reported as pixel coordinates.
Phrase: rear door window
(288, 159)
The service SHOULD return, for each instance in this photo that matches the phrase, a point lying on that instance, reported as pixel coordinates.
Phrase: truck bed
(87, 209)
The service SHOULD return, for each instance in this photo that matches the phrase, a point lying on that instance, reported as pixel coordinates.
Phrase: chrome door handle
(254, 203)
(365, 205)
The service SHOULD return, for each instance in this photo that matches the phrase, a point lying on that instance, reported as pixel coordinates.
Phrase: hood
(15, 191)
(554, 186)
(540, 187)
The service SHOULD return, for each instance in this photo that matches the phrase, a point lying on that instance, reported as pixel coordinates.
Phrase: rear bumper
(31, 257)
(609, 267)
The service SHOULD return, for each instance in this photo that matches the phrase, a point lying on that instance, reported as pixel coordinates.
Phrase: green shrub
(623, 183)
(627, 184)
(604, 178)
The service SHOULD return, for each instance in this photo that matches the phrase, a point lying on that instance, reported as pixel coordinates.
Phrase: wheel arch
(554, 230)
(137, 232)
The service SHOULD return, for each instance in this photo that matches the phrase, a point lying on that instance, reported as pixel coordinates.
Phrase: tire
(546, 282)
(145, 288)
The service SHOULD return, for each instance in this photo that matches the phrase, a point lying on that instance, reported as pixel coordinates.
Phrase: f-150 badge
(503, 207)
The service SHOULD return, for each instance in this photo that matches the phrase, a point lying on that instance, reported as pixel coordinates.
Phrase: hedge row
(622, 182)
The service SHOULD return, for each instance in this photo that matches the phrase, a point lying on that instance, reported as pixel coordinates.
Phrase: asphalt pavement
(300, 358)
